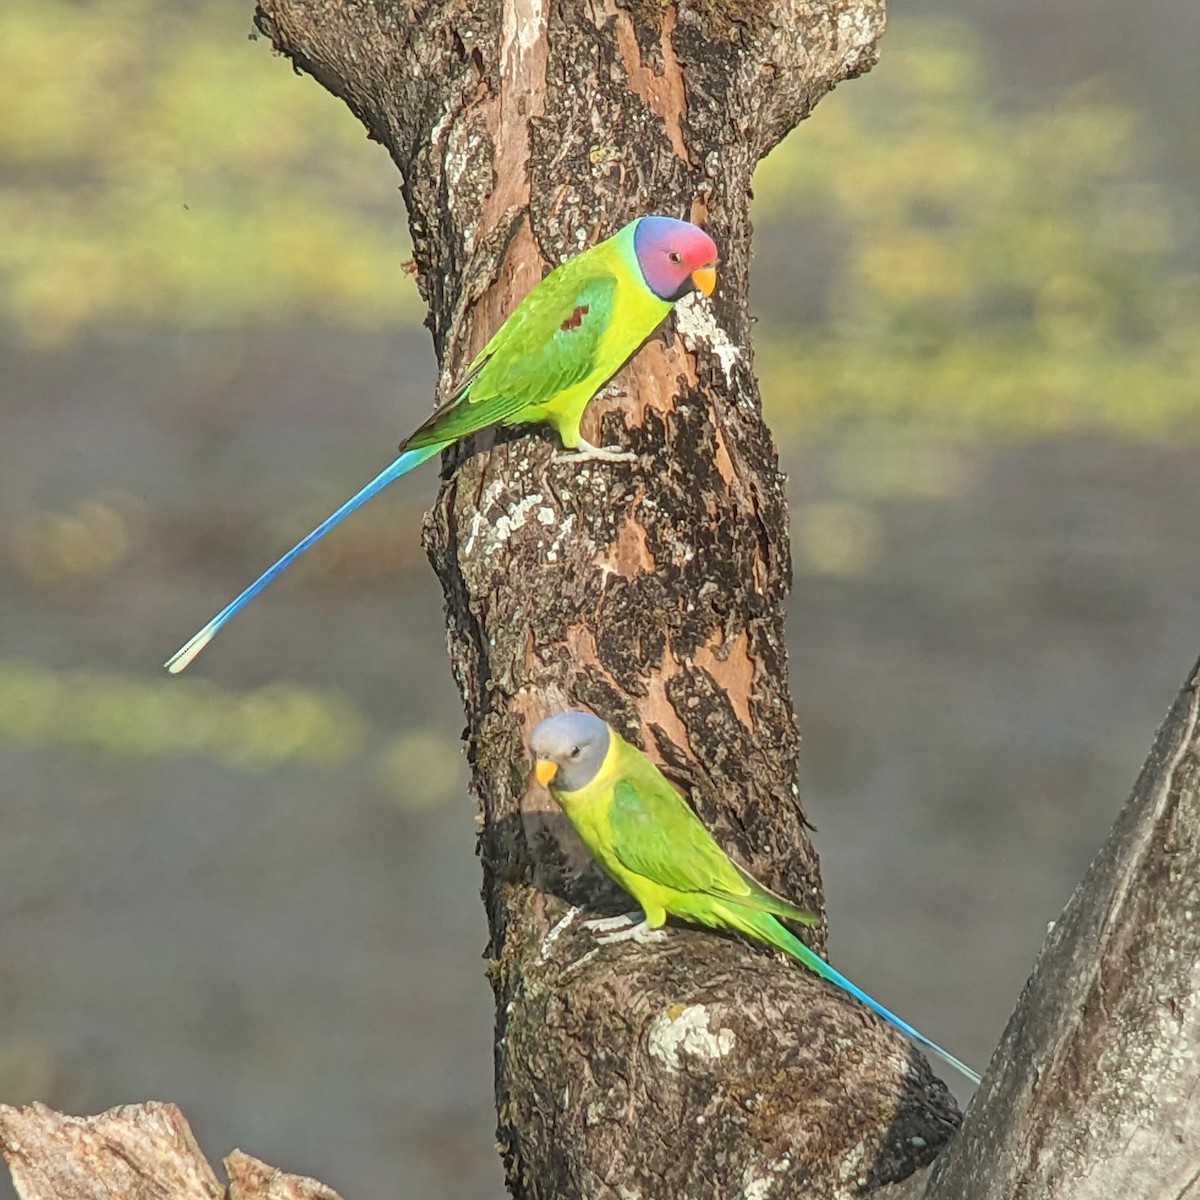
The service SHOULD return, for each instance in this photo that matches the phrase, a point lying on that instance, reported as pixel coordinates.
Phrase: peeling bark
(650, 592)
(135, 1152)
(144, 1150)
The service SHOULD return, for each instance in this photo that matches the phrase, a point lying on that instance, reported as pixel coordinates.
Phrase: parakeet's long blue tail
(186, 653)
(784, 939)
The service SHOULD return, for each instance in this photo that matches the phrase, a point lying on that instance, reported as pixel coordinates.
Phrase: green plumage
(644, 834)
(648, 839)
(559, 346)
(571, 334)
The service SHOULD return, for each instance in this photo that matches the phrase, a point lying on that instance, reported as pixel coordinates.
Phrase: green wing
(549, 344)
(656, 835)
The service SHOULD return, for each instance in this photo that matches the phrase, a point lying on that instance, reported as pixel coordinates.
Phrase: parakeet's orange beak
(545, 770)
(705, 279)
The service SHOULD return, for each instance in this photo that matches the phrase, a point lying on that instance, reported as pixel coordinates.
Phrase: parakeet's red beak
(705, 279)
(545, 770)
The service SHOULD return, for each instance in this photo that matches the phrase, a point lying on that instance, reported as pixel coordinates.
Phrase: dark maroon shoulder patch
(576, 318)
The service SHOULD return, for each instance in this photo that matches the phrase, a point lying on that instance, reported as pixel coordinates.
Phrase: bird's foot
(638, 931)
(586, 452)
(608, 924)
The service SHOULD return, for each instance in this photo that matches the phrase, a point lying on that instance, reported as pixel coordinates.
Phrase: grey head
(568, 750)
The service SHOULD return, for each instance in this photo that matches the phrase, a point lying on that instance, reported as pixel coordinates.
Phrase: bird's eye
(574, 752)
(675, 256)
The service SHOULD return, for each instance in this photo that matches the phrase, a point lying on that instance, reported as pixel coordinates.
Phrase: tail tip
(186, 654)
(960, 1066)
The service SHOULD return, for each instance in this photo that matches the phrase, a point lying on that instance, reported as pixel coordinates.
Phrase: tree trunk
(1095, 1090)
(652, 593)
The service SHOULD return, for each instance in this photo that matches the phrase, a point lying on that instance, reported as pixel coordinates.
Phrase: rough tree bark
(652, 593)
(143, 1151)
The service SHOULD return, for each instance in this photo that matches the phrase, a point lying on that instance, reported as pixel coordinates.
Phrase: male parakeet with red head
(647, 839)
(569, 335)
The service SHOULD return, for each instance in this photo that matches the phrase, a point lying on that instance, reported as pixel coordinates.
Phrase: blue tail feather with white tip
(183, 657)
(766, 928)
(817, 964)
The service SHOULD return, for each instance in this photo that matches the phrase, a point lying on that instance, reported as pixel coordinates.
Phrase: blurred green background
(252, 890)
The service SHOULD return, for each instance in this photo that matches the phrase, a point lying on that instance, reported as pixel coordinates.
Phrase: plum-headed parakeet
(569, 335)
(647, 838)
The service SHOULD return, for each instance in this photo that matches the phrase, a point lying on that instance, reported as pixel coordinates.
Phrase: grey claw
(608, 924)
(586, 451)
(640, 933)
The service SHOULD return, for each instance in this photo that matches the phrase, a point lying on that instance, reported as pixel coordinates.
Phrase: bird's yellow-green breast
(632, 313)
(590, 811)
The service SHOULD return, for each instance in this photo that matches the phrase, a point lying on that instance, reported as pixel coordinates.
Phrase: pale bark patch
(629, 554)
(663, 92)
(729, 663)
(524, 52)
(681, 1036)
(656, 706)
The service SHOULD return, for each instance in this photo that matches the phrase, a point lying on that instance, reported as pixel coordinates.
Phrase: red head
(675, 257)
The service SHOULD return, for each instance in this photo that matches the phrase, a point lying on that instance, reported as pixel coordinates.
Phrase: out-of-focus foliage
(1005, 270)
(85, 542)
(157, 166)
(419, 767)
(268, 727)
(869, 462)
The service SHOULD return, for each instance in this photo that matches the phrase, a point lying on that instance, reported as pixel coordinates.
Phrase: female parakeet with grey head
(569, 336)
(646, 837)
